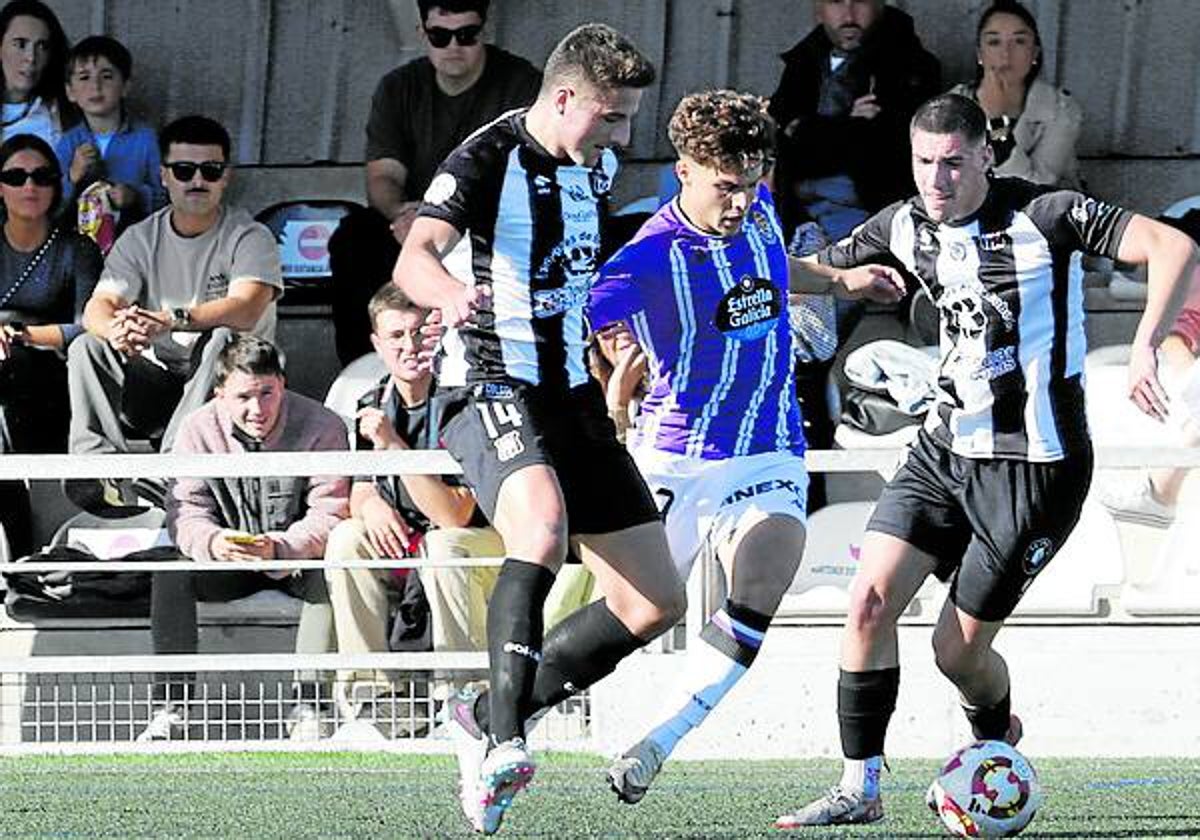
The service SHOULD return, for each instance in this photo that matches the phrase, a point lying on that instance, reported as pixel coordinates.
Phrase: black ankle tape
(990, 723)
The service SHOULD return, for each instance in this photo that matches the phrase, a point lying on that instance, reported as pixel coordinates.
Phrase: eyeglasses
(43, 176)
(184, 170)
(466, 36)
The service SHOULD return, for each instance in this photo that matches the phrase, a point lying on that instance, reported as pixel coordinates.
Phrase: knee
(648, 618)
(543, 542)
(84, 349)
(869, 612)
(345, 539)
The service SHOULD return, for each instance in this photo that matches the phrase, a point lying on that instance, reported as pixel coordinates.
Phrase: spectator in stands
(107, 147)
(419, 113)
(47, 276)
(247, 519)
(843, 104)
(33, 49)
(1032, 125)
(174, 290)
(404, 516)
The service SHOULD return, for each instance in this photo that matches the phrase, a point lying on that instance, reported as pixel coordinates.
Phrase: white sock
(709, 676)
(861, 775)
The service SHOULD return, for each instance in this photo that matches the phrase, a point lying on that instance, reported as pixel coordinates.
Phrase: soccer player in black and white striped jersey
(505, 246)
(995, 482)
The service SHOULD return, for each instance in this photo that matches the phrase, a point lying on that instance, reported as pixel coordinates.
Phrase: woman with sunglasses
(33, 52)
(46, 276)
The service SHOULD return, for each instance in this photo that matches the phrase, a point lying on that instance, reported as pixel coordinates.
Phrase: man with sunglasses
(174, 290)
(419, 113)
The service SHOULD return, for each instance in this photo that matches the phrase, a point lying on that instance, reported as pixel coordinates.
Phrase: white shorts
(710, 504)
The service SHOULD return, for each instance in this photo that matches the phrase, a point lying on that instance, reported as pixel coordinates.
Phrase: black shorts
(992, 524)
(494, 429)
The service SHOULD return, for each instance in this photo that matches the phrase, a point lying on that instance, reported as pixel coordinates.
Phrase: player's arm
(420, 274)
(879, 283)
(1169, 257)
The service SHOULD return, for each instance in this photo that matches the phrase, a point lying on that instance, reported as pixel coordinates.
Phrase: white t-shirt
(155, 267)
(33, 117)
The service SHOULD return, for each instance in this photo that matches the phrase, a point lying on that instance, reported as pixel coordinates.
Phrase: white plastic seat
(356, 379)
(1090, 560)
(830, 560)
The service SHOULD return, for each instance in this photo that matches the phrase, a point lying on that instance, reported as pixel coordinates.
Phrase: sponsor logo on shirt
(996, 363)
(600, 183)
(749, 310)
(996, 241)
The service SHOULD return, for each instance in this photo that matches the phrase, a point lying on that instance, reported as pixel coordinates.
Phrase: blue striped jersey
(711, 313)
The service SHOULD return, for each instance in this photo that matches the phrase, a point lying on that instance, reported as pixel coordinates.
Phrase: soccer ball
(987, 789)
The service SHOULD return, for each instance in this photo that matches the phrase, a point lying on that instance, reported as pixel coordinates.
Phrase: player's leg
(760, 562)
(962, 646)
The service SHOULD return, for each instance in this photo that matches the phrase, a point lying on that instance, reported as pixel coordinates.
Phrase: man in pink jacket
(246, 519)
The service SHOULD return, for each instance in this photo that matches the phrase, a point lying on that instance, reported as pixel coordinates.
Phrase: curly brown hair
(724, 130)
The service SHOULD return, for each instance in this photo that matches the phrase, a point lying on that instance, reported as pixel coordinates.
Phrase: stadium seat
(356, 379)
(302, 228)
(1090, 563)
(1173, 588)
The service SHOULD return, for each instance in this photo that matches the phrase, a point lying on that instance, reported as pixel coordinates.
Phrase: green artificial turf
(312, 795)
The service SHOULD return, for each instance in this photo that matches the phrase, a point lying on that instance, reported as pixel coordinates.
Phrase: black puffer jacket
(873, 152)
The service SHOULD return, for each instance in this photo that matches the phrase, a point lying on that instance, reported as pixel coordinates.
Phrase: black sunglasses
(466, 36)
(43, 176)
(184, 171)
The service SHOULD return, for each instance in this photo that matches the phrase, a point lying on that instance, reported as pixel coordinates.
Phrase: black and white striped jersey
(1009, 289)
(531, 231)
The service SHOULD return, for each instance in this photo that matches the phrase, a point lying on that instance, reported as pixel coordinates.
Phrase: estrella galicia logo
(749, 310)
(1037, 555)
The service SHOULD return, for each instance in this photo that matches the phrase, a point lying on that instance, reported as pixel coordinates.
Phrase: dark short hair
(101, 46)
(453, 7)
(601, 56)
(951, 113)
(248, 354)
(33, 143)
(194, 129)
(50, 84)
(1011, 7)
(723, 130)
(390, 296)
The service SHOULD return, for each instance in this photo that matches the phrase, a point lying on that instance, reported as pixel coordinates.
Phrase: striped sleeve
(871, 242)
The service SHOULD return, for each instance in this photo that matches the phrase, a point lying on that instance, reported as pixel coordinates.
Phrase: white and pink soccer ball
(987, 789)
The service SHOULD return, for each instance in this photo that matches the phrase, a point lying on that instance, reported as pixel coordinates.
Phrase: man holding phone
(247, 519)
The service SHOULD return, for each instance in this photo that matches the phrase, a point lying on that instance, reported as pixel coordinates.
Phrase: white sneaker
(631, 774)
(166, 724)
(507, 770)
(1135, 502)
(838, 807)
(470, 747)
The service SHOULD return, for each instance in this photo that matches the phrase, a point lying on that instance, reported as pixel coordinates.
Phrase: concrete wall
(293, 78)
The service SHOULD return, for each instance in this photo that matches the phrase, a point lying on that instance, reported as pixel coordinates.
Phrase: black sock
(579, 651)
(990, 723)
(514, 625)
(866, 700)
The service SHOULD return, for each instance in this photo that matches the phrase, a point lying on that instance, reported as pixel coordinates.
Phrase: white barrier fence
(35, 667)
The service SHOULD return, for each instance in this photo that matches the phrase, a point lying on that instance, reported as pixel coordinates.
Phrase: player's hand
(462, 303)
(238, 546)
(880, 283)
(627, 376)
(85, 159)
(1145, 390)
(387, 532)
(374, 425)
(865, 107)
(431, 340)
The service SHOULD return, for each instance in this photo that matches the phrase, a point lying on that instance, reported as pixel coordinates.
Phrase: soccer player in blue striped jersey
(704, 285)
